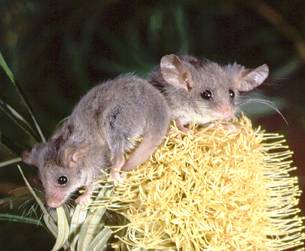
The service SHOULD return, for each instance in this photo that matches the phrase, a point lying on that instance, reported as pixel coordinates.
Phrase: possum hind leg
(115, 169)
(156, 127)
(144, 150)
(117, 157)
(116, 136)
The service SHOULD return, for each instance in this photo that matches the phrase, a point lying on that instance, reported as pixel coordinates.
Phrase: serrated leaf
(78, 218)
(50, 223)
(48, 219)
(62, 229)
(89, 229)
(100, 240)
(73, 242)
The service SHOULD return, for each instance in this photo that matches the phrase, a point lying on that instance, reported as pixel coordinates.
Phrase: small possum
(96, 135)
(201, 91)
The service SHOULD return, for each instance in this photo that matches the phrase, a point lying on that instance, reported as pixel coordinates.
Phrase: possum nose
(226, 111)
(53, 204)
(54, 201)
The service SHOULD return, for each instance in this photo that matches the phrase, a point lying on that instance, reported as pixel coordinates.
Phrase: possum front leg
(180, 126)
(115, 169)
(84, 198)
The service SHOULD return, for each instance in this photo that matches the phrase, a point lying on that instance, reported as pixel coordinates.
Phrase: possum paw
(116, 177)
(85, 198)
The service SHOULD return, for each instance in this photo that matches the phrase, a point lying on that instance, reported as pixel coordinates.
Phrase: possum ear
(253, 78)
(72, 155)
(175, 72)
(247, 79)
(62, 135)
(77, 155)
(31, 157)
(27, 158)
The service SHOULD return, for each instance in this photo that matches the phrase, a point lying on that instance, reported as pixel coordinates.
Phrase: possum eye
(62, 180)
(232, 94)
(207, 95)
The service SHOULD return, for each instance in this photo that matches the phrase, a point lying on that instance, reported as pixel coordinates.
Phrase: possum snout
(55, 199)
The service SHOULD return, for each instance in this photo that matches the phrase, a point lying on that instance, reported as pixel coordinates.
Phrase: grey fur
(187, 104)
(99, 131)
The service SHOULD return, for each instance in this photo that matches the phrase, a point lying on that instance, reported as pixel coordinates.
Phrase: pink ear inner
(250, 79)
(175, 72)
(27, 157)
(187, 78)
(75, 156)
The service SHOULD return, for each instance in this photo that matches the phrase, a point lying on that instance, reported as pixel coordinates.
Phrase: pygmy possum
(101, 128)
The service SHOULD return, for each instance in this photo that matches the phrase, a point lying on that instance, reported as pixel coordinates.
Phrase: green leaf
(100, 240)
(25, 102)
(62, 229)
(78, 218)
(38, 200)
(20, 219)
(10, 162)
(51, 224)
(89, 229)
(6, 69)
(17, 119)
(48, 218)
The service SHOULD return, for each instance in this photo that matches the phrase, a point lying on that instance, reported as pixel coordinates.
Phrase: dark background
(60, 49)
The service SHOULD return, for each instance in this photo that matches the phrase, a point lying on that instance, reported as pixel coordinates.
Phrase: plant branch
(21, 94)
(10, 162)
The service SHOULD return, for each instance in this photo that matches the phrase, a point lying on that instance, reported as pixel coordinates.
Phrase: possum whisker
(265, 102)
(27, 207)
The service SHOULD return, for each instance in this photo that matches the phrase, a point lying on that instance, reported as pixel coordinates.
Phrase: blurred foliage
(60, 49)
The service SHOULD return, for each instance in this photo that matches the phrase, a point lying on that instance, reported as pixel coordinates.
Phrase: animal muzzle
(55, 200)
(225, 112)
